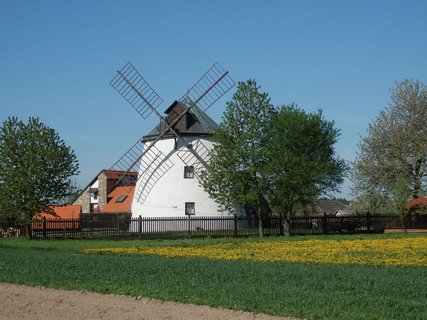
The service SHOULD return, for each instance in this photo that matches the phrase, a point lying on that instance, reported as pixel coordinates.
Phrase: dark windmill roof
(201, 124)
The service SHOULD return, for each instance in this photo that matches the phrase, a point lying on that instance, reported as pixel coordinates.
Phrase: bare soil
(37, 303)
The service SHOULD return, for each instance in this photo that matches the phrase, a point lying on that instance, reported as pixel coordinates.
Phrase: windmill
(164, 184)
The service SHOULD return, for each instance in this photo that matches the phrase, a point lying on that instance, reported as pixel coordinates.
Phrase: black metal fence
(114, 226)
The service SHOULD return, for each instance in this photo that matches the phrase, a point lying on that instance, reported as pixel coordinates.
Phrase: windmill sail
(197, 156)
(152, 167)
(143, 157)
(211, 86)
(129, 162)
(132, 162)
(137, 92)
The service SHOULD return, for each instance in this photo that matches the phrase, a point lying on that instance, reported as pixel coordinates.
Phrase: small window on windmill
(188, 172)
(190, 208)
(121, 198)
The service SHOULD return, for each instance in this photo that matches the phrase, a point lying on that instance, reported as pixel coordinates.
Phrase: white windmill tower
(170, 158)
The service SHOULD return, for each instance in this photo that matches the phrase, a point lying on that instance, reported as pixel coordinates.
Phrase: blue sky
(57, 57)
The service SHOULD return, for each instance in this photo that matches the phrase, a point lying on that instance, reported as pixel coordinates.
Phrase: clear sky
(57, 58)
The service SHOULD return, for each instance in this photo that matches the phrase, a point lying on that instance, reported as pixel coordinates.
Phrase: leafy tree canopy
(35, 169)
(268, 159)
(394, 148)
(235, 178)
(302, 163)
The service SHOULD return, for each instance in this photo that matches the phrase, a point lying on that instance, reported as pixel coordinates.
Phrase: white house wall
(169, 193)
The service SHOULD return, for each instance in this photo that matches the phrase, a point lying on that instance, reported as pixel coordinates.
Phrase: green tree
(302, 162)
(401, 194)
(395, 145)
(235, 178)
(372, 201)
(271, 160)
(35, 169)
(74, 192)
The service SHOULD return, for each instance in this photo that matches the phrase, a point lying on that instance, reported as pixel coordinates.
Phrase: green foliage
(401, 193)
(299, 290)
(271, 160)
(394, 147)
(35, 168)
(73, 193)
(374, 202)
(302, 161)
(235, 178)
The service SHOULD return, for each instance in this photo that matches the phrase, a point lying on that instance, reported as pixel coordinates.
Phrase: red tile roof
(115, 174)
(64, 212)
(115, 206)
(417, 203)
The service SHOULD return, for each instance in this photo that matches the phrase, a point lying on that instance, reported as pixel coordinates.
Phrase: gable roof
(203, 124)
(116, 174)
(119, 200)
(111, 174)
(64, 212)
(330, 206)
(417, 203)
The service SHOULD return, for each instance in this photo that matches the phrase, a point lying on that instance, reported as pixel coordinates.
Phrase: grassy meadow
(323, 277)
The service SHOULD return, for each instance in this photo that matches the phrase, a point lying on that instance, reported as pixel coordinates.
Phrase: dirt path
(35, 303)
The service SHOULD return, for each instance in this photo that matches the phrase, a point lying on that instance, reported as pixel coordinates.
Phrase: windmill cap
(201, 124)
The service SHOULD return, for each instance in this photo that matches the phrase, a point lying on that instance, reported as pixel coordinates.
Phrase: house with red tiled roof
(99, 192)
(119, 200)
(417, 216)
(63, 212)
(61, 219)
(416, 204)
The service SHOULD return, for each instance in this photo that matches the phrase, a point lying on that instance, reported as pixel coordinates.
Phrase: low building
(101, 190)
(119, 200)
(418, 205)
(332, 208)
(62, 212)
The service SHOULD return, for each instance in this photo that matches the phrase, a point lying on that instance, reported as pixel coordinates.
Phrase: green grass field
(310, 291)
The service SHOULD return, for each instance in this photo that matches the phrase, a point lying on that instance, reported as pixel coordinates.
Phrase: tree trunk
(260, 222)
(287, 225)
(29, 230)
(260, 225)
(402, 220)
(417, 180)
(403, 217)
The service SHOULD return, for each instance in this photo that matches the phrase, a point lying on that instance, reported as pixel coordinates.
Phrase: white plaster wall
(95, 185)
(93, 189)
(168, 196)
(92, 198)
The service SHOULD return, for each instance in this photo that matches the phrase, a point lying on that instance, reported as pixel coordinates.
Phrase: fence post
(368, 221)
(281, 231)
(325, 223)
(140, 225)
(30, 230)
(236, 232)
(253, 221)
(44, 228)
(189, 225)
